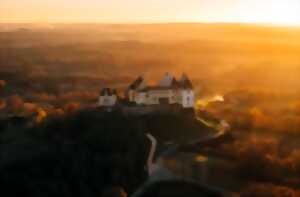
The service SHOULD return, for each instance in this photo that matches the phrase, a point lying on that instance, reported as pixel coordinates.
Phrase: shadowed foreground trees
(79, 155)
(84, 153)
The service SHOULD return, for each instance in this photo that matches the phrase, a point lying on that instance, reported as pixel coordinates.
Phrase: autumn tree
(15, 104)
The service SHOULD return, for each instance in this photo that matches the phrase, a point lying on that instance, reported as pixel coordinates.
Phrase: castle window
(105, 100)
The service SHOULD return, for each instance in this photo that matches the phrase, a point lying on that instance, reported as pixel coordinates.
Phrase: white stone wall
(155, 95)
(131, 95)
(177, 96)
(188, 98)
(184, 97)
(141, 98)
(107, 101)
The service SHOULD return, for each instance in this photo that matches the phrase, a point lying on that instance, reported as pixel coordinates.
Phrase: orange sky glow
(278, 12)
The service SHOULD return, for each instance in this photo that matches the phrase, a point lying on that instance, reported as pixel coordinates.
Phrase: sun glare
(274, 12)
(284, 12)
(279, 12)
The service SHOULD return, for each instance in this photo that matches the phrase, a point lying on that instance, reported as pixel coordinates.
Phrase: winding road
(159, 172)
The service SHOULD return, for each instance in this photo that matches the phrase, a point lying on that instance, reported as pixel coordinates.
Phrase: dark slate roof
(108, 92)
(136, 83)
(154, 88)
(186, 83)
(183, 83)
(175, 83)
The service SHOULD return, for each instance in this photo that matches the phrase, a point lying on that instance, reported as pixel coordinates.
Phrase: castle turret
(108, 98)
(187, 92)
(133, 89)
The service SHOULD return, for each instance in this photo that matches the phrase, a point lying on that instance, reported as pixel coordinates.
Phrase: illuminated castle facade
(168, 91)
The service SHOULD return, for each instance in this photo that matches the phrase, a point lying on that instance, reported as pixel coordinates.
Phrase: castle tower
(187, 92)
(108, 98)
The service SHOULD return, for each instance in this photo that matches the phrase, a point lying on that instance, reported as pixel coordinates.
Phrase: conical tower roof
(135, 85)
(185, 82)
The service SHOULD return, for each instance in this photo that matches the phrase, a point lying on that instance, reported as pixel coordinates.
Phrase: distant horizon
(159, 23)
(270, 12)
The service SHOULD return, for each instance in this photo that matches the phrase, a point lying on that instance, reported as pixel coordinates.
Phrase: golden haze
(277, 12)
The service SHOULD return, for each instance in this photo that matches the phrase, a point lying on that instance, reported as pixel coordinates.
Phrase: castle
(168, 91)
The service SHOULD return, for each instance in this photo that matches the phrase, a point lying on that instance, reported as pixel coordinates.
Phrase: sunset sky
(282, 12)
